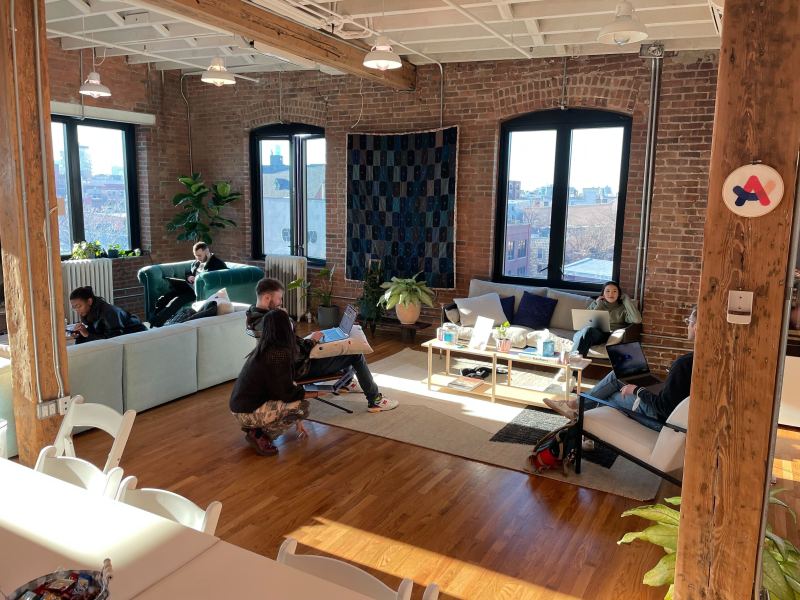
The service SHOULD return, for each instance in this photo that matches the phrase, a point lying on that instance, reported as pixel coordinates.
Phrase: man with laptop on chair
(269, 293)
(632, 386)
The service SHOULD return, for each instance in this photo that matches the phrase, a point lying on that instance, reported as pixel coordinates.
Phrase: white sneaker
(353, 387)
(562, 407)
(381, 404)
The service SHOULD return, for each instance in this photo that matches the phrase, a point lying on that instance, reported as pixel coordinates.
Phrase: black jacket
(676, 388)
(265, 377)
(106, 321)
(302, 346)
(212, 264)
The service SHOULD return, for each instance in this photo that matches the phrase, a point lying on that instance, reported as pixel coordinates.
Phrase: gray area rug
(462, 425)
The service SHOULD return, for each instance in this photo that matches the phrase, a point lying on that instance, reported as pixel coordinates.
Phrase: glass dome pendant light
(624, 29)
(382, 56)
(217, 74)
(92, 86)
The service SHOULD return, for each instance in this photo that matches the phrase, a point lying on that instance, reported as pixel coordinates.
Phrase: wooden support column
(27, 199)
(735, 366)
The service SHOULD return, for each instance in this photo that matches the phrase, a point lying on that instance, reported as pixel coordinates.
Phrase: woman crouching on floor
(265, 400)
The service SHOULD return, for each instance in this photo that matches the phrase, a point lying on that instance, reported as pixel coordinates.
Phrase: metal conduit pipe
(649, 175)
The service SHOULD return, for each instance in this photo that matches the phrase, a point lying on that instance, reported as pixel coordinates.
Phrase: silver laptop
(630, 365)
(595, 318)
(342, 332)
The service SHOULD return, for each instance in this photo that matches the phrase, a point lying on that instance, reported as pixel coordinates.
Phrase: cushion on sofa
(479, 287)
(562, 315)
(534, 311)
(488, 306)
(95, 372)
(508, 307)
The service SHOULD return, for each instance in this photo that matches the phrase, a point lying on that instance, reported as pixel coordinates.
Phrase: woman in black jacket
(99, 319)
(265, 399)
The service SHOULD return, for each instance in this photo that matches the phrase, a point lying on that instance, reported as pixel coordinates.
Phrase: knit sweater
(621, 313)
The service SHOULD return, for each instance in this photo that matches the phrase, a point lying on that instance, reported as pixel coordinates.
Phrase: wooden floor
(398, 510)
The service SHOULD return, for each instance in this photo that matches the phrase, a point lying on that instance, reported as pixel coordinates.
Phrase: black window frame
(298, 211)
(563, 122)
(73, 166)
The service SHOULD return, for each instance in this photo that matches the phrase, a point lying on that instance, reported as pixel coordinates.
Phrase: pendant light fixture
(382, 56)
(217, 74)
(92, 86)
(624, 29)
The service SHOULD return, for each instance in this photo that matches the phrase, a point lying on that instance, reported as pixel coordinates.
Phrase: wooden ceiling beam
(259, 25)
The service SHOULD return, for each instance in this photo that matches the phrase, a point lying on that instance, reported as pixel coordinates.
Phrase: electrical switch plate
(63, 404)
(740, 307)
(45, 410)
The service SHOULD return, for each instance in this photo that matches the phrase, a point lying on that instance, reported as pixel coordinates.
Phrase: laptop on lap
(630, 364)
(595, 318)
(342, 332)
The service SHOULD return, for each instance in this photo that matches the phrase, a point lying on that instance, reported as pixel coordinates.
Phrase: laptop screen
(348, 319)
(627, 359)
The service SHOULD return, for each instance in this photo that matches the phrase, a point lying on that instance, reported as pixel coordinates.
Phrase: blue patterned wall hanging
(401, 204)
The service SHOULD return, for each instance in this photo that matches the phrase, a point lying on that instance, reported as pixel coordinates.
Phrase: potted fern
(406, 296)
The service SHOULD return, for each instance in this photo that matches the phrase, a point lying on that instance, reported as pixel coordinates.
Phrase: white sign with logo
(753, 190)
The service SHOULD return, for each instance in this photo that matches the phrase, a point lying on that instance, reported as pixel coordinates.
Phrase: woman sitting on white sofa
(622, 312)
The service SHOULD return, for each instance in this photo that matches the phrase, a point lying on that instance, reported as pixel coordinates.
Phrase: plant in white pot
(406, 296)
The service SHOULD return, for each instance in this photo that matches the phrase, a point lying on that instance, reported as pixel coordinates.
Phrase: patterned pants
(274, 417)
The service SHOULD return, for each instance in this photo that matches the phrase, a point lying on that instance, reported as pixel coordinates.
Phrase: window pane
(104, 186)
(595, 163)
(62, 186)
(276, 190)
(315, 198)
(531, 162)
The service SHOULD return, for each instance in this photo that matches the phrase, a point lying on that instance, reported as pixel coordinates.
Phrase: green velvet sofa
(240, 281)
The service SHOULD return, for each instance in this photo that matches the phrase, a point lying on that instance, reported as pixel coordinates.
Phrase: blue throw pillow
(534, 311)
(508, 308)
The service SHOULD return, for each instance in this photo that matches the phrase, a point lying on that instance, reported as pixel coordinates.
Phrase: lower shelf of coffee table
(507, 393)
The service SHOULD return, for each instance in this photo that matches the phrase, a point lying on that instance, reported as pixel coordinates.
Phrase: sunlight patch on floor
(455, 578)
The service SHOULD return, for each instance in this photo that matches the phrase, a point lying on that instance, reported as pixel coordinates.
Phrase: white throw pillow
(356, 344)
(224, 304)
(487, 306)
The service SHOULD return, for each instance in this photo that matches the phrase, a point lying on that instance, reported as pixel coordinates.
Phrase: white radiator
(95, 272)
(286, 269)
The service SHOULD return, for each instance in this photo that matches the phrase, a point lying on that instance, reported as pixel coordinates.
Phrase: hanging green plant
(200, 217)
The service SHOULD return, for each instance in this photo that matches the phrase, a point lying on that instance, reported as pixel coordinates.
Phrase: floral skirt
(274, 416)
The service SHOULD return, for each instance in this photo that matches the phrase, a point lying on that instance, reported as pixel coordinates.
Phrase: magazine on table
(465, 383)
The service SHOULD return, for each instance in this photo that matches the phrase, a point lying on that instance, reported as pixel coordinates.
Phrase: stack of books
(466, 384)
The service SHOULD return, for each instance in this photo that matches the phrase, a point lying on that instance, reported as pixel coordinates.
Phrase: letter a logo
(753, 190)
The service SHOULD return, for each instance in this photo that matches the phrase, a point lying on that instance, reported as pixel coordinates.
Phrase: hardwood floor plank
(397, 510)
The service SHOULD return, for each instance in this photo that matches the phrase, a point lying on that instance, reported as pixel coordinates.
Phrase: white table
(227, 571)
(46, 524)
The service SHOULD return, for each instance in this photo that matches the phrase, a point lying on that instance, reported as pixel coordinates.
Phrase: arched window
(561, 197)
(287, 168)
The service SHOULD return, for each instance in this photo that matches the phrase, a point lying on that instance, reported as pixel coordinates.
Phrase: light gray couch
(560, 322)
(142, 370)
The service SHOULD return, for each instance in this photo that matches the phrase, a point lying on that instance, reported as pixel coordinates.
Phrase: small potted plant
(322, 292)
(502, 337)
(406, 296)
(113, 250)
(371, 309)
(84, 250)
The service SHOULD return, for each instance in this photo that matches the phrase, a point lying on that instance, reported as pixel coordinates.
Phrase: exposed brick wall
(128, 292)
(478, 97)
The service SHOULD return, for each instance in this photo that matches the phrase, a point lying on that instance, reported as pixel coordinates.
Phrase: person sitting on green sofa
(205, 261)
(99, 319)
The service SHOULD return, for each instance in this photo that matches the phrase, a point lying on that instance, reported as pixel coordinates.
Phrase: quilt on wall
(401, 204)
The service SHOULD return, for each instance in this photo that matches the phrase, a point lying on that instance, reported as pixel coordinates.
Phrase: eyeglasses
(689, 321)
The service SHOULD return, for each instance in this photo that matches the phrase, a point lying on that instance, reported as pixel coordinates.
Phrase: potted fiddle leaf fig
(198, 216)
(406, 296)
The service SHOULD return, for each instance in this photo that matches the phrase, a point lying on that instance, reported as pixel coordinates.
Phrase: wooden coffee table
(491, 389)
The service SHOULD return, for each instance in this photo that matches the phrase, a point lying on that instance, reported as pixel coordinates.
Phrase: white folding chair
(431, 592)
(344, 574)
(170, 506)
(79, 472)
(83, 414)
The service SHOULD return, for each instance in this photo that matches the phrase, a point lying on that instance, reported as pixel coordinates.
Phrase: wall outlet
(63, 404)
(45, 410)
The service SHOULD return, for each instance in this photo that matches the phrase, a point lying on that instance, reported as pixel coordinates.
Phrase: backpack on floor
(556, 450)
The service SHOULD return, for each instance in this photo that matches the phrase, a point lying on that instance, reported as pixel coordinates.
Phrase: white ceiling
(421, 30)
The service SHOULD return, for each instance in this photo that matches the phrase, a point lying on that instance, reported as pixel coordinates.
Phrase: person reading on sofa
(99, 319)
(269, 293)
(621, 312)
(205, 261)
(654, 403)
(265, 399)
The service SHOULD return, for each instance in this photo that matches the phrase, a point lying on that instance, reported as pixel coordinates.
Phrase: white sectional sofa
(142, 370)
(560, 322)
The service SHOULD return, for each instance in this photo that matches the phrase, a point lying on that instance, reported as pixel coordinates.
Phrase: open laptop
(630, 365)
(342, 332)
(596, 318)
(180, 286)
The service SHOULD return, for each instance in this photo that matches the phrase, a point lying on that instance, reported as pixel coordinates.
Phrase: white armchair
(626, 433)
